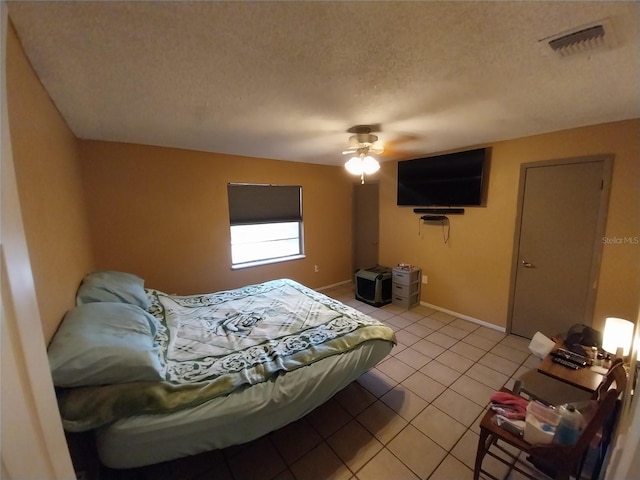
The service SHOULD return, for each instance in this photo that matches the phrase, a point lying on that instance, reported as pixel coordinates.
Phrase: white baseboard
(435, 307)
(465, 317)
(333, 285)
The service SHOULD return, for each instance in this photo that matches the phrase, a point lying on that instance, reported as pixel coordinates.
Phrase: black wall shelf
(433, 218)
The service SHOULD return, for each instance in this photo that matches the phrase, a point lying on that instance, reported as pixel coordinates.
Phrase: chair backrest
(606, 396)
(566, 457)
(616, 374)
(606, 405)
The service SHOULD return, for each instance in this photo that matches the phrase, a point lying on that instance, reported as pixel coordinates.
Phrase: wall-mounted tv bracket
(439, 218)
(433, 218)
(440, 211)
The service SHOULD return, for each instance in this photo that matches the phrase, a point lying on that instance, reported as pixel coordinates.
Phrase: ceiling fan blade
(404, 146)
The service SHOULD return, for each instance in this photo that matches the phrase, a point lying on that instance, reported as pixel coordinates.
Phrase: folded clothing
(509, 405)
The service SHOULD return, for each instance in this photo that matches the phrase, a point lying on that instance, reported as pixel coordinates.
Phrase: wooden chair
(554, 460)
(618, 375)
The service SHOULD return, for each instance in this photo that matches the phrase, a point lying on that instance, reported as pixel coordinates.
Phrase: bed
(159, 377)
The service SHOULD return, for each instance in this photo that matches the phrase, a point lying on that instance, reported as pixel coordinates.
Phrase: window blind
(253, 203)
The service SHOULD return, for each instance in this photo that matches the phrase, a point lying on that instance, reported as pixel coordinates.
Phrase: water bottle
(568, 430)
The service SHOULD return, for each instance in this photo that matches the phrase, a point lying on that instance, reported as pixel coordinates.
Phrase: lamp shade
(618, 333)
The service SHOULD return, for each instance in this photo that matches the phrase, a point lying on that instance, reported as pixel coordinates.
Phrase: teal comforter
(216, 343)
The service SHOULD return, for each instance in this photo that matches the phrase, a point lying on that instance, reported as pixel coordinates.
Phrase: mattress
(237, 418)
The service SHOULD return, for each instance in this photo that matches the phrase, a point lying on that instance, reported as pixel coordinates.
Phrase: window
(265, 223)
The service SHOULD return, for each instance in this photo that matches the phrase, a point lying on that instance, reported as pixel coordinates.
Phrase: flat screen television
(450, 180)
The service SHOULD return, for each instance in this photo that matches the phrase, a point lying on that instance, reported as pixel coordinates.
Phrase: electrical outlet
(316, 268)
(424, 279)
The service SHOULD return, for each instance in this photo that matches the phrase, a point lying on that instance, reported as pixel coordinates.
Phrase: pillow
(103, 343)
(109, 286)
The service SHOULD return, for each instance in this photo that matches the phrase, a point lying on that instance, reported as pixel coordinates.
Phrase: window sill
(259, 263)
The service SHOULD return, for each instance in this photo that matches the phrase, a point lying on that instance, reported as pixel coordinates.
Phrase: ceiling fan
(364, 145)
(364, 141)
(361, 146)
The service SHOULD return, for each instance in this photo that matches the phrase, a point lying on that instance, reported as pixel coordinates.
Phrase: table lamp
(618, 335)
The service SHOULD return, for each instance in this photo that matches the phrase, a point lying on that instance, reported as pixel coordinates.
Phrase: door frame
(607, 171)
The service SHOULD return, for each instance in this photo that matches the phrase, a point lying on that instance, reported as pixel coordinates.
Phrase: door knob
(526, 264)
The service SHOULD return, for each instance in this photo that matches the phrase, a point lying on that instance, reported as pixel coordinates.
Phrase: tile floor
(414, 416)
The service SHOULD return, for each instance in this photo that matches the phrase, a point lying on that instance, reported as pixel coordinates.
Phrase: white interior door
(562, 210)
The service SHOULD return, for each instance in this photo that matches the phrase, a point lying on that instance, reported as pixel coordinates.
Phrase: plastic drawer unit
(406, 286)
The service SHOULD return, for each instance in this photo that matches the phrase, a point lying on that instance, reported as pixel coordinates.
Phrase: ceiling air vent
(589, 37)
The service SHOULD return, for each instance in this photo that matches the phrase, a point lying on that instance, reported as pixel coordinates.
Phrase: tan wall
(471, 273)
(50, 189)
(162, 213)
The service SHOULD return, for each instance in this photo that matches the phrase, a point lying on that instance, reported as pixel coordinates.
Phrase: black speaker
(440, 211)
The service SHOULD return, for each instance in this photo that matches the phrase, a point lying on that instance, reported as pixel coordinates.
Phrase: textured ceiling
(285, 80)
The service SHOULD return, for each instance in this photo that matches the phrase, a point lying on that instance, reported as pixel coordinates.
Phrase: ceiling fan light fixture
(361, 165)
(354, 166)
(370, 165)
(361, 144)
